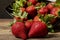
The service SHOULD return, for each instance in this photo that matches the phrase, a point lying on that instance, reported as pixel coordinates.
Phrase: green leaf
(10, 24)
(42, 4)
(14, 21)
(24, 0)
(58, 1)
(16, 7)
(49, 25)
(15, 14)
(24, 15)
(52, 31)
(20, 14)
(48, 17)
(21, 3)
(42, 18)
(29, 3)
(59, 13)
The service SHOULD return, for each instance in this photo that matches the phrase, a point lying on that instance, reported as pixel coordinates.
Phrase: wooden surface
(5, 32)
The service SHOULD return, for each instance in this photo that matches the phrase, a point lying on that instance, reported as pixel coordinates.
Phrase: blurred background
(5, 6)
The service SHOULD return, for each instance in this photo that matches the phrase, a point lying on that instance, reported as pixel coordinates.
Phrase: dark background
(4, 8)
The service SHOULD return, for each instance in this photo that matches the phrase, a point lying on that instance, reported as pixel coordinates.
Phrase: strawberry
(31, 11)
(38, 4)
(28, 24)
(33, 1)
(50, 6)
(18, 30)
(38, 29)
(22, 9)
(55, 11)
(43, 11)
(36, 18)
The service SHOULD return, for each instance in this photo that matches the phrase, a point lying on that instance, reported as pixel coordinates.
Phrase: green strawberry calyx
(42, 4)
(17, 12)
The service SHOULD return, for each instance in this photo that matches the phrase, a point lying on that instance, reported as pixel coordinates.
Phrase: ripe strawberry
(50, 6)
(22, 9)
(38, 29)
(33, 1)
(38, 4)
(28, 24)
(43, 11)
(18, 30)
(55, 11)
(31, 11)
(36, 18)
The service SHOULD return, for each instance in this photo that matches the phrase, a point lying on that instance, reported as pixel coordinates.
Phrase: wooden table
(5, 32)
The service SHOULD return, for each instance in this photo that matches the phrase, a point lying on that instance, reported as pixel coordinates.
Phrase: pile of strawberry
(33, 18)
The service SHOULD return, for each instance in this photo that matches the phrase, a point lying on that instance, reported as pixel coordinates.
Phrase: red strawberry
(18, 30)
(38, 29)
(55, 11)
(33, 1)
(38, 4)
(31, 11)
(43, 11)
(28, 24)
(50, 6)
(22, 9)
(36, 18)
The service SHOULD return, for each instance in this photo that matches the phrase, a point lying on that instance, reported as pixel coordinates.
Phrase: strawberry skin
(37, 4)
(50, 6)
(55, 11)
(31, 11)
(33, 1)
(28, 24)
(43, 11)
(36, 18)
(18, 30)
(38, 29)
